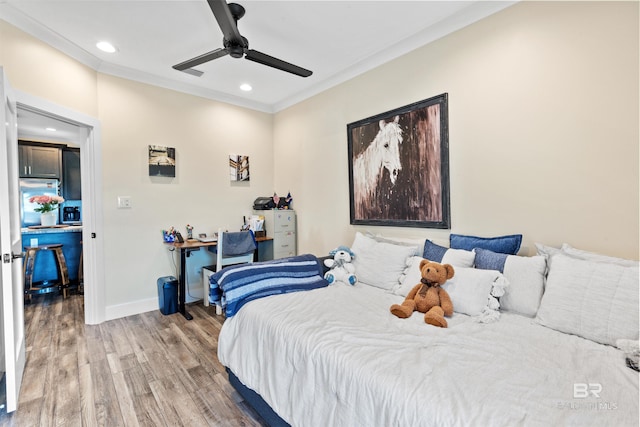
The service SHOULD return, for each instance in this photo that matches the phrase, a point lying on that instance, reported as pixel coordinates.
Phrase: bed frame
(257, 402)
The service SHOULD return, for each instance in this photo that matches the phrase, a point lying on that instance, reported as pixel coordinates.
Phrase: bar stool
(29, 269)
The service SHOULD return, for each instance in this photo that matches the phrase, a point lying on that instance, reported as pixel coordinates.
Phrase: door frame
(92, 212)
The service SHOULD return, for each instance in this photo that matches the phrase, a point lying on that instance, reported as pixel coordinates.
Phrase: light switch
(124, 202)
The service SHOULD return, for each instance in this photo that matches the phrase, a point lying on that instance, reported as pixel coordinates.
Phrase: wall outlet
(124, 202)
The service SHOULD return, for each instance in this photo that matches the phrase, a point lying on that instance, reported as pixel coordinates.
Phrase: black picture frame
(399, 166)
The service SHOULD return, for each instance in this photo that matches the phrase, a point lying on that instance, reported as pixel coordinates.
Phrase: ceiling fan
(234, 44)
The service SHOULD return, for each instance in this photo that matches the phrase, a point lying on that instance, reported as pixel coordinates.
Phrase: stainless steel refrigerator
(30, 187)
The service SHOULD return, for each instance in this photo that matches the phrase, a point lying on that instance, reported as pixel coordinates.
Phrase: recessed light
(246, 87)
(51, 129)
(106, 47)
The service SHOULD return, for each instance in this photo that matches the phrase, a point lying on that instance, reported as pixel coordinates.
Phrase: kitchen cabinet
(37, 161)
(71, 189)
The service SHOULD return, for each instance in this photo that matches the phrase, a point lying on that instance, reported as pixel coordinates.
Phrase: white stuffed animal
(341, 268)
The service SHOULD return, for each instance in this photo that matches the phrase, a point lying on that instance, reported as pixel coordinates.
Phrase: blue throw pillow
(489, 260)
(502, 244)
(433, 252)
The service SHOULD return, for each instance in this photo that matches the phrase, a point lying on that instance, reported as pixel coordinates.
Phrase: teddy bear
(428, 296)
(340, 266)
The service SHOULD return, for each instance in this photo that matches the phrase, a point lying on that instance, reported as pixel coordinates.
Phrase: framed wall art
(399, 166)
(162, 161)
(238, 168)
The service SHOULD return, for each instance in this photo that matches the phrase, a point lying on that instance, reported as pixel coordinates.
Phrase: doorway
(49, 163)
(84, 132)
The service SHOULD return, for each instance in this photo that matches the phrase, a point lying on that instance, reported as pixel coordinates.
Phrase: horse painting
(399, 166)
(382, 153)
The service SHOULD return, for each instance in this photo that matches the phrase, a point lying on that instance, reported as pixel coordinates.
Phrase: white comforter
(336, 357)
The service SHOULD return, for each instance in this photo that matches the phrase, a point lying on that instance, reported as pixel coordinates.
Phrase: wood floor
(143, 370)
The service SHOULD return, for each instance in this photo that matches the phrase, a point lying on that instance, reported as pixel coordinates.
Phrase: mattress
(336, 356)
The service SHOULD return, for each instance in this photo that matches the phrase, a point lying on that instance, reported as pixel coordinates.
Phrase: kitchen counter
(69, 236)
(56, 229)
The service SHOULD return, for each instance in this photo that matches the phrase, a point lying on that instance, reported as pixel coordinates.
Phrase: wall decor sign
(399, 166)
(162, 161)
(238, 167)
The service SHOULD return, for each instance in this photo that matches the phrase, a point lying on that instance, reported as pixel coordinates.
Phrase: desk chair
(234, 247)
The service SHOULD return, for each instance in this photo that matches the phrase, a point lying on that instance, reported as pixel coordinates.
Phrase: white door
(11, 280)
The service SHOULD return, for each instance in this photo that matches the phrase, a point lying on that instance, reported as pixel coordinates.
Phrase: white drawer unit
(284, 244)
(281, 225)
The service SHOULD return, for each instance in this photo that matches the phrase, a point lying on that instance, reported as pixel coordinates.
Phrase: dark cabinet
(71, 189)
(37, 161)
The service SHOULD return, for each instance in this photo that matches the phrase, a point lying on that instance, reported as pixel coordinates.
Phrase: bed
(335, 356)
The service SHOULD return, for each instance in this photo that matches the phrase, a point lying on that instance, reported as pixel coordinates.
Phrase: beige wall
(204, 133)
(543, 130)
(543, 114)
(34, 67)
(132, 116)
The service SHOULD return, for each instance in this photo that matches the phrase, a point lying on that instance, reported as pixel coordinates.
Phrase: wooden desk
(185, 250)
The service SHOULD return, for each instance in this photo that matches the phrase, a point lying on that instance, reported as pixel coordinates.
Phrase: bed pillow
(525, 275)
(379, 264)
(502, 244)
(416, 244)
(547, 251)
(594, 300)
(592, 256)
(410, 277)
(472, 291)
(455, 257)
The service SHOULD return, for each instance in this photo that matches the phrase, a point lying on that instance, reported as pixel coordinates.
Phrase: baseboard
(131, 308)
(135, 307)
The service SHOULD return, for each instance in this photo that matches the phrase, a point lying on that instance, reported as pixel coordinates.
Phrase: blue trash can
(168, 294)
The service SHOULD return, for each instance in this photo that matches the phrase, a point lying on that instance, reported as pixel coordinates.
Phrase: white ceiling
(337, 40)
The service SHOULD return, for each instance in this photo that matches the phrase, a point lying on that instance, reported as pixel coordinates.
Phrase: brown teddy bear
(427, 296)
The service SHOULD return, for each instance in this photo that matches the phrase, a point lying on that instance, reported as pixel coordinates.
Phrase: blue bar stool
(31, 288)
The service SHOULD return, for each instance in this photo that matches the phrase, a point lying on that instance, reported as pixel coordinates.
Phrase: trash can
(168, 294)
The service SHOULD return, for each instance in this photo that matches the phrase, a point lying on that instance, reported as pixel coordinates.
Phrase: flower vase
(49, 218)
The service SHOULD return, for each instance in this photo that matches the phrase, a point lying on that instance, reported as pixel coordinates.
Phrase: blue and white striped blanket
(234, 286)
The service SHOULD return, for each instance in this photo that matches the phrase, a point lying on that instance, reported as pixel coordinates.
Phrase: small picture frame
(238, 167)
(162, 161)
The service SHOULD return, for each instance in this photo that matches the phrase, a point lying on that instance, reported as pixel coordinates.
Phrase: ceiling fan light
(106, 47)
(246, 87)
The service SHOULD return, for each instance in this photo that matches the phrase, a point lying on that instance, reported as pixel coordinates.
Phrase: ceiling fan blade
(225, 19)
(206, 57)
(263, 58)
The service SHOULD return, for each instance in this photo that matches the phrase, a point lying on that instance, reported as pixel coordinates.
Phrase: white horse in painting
(383, 152)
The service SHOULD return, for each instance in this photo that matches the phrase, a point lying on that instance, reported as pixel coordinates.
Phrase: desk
(185, 249)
